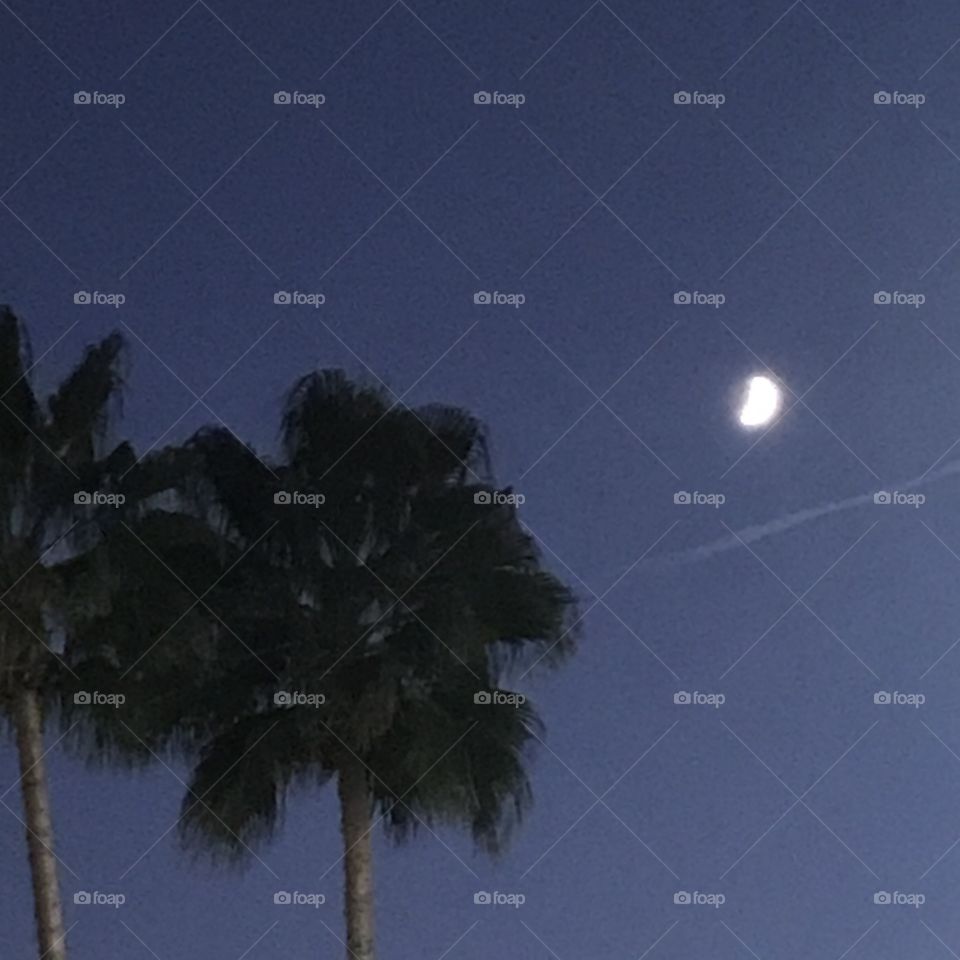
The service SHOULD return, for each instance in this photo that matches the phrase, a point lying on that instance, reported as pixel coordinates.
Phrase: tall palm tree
(362, 571)
(49, 453)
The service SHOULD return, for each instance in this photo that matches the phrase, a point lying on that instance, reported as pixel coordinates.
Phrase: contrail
(772, 527)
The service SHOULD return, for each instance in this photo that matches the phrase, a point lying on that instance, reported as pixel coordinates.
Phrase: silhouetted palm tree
(50, 456)
(362, 571)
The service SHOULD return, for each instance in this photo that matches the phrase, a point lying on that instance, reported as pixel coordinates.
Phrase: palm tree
(359, 607)
(50, 455)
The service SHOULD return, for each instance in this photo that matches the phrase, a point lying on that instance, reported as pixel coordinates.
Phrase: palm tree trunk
(28, 720)
(358, 860)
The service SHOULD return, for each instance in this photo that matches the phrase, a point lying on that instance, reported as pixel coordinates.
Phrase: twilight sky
(799, 198)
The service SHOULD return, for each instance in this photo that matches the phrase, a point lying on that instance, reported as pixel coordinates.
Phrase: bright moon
(761, 403)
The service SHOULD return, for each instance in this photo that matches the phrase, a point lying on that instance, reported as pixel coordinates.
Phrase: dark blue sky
(597, 199)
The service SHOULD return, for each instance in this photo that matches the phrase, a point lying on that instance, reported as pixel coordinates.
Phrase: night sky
(597, 199)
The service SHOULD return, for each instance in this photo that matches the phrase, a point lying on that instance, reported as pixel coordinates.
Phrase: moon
(760, 403)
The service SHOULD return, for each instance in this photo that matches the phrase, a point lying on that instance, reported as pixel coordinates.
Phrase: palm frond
(237, 791)
(80, 408)
(451, 761)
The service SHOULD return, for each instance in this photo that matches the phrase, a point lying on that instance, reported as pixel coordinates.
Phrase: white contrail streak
(761, 531)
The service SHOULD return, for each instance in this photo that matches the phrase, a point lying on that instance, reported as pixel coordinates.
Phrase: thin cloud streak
(761, 531)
